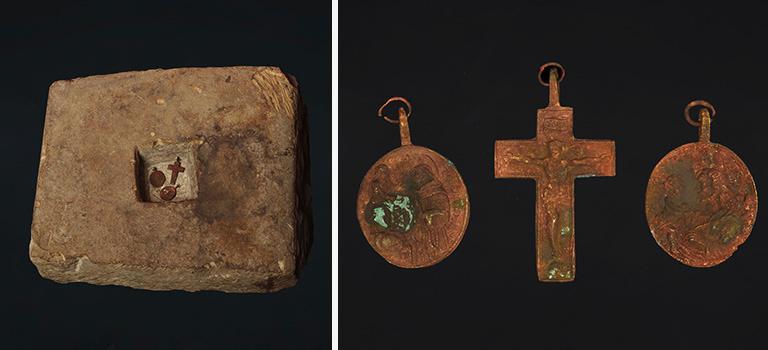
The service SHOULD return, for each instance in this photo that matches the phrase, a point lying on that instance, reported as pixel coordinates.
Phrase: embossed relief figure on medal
(412, 206)
(701, 200)
(554, 158)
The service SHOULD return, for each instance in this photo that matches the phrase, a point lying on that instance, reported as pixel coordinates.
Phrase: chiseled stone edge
(303, 202)
(63, 269)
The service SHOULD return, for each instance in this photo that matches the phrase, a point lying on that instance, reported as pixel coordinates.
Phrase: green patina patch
(378, 217)
(556, 272)
(726, 228)
(397, 214)
(564, 221)
(459, 203)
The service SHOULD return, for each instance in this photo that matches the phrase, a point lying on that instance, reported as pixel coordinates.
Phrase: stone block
(189, 179)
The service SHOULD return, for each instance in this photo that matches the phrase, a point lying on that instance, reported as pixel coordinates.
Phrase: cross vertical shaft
(175, 169)
(554, 158)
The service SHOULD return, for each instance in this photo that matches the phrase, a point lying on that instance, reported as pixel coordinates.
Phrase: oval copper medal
(701, 203)
(413, 207)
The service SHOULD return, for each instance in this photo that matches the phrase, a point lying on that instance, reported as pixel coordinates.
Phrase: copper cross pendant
(554, 159)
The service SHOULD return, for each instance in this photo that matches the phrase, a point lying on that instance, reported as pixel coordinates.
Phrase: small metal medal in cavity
(554, 158)
(156, 178)
(701, 200)
(412, 206)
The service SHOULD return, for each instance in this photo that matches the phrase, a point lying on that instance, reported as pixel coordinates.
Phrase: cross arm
(516, 158)
(594, 158)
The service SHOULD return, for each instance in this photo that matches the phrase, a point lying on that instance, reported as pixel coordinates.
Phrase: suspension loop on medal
(699, 103)
(400, 110)
(706, 113)
(405, 134)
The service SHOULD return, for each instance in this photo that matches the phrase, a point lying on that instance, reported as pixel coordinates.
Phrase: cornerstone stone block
(191, 179)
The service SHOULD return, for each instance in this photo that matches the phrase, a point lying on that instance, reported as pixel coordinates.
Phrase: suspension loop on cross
(706, 115)
(403, 114)
(551, 74)
(544, 72)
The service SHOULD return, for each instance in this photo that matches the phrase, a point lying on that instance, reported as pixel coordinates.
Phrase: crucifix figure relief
(554, 159)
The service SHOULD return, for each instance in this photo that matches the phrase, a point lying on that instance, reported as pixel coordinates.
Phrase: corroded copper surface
(554, 159)
(701, 201)
(413, 206)
(156, 178)
(168, 193)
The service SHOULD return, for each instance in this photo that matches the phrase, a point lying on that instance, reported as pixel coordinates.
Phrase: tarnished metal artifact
(190, 178)
(701, 200)
(554, 159)
(412, 206)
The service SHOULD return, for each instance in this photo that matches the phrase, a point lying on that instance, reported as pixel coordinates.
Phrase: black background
(44, 42)
(470, 71)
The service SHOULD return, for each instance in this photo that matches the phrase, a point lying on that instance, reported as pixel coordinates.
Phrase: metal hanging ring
(545, 69)
(698, 103)
(395, 99)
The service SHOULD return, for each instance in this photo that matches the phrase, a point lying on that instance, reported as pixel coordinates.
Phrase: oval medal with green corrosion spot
(701, 203)
(413, 207)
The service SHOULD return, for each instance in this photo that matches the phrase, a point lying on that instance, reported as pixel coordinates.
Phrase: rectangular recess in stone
(240, 220)
(167, 173)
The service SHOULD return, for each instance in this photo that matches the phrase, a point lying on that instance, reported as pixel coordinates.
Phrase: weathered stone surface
(239, 220)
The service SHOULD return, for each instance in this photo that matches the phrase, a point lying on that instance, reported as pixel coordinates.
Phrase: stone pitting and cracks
(241, 137)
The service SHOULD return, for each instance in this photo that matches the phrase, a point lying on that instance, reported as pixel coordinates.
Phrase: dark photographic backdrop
(44, 42)
(469, 68)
